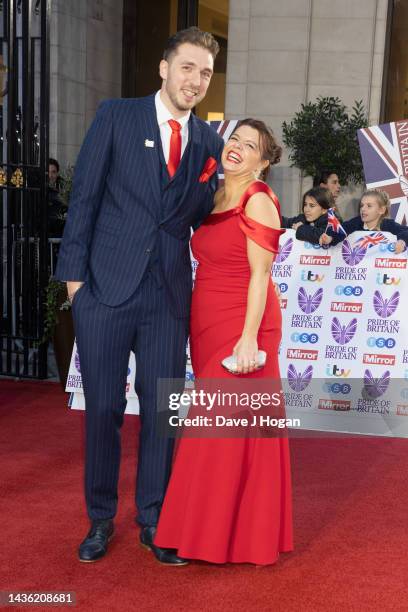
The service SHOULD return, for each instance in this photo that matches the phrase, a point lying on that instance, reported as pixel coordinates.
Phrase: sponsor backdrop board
(344, 349)
(343, 356)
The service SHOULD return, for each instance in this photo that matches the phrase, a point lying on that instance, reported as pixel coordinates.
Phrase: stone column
(86, 67)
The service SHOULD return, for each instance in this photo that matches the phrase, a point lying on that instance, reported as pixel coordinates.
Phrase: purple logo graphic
(352, 255)
(375, 387)
(298, 381)
(342, 334)
(385, 307)
(284, 251)
(77, 363)
(309, 303)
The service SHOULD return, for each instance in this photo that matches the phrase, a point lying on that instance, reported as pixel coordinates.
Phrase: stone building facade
(280, 54)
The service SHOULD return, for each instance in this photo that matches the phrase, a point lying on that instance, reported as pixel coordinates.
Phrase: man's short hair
(323, 177)
(194, 36)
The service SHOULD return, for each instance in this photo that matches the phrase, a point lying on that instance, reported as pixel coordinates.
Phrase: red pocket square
(210, 167)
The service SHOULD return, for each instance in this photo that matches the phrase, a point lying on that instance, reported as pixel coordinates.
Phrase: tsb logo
(308, 275)
(384, 279)
(348, 290)
(304, 338)
(344, 388)
(387, 247)
(381, 342)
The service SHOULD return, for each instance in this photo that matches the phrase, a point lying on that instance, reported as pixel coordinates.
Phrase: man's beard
(183, 107)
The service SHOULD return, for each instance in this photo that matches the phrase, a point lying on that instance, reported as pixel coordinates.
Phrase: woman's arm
(261, 209)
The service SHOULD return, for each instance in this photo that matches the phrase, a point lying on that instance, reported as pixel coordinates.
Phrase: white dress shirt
(163, 116)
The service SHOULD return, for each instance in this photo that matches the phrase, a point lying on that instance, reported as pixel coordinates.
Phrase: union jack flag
(334, 223)
(224, 129)
(366, 242)
(384, 151)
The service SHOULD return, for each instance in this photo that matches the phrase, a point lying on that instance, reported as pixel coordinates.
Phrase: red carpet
(350, 501)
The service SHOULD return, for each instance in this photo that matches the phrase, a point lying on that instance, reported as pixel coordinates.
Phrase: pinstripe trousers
(105, 336)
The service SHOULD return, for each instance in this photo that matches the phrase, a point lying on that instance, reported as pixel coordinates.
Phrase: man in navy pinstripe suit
(125, 257)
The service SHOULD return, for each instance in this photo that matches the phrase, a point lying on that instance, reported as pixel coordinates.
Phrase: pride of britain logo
(385, 307)
(298, 381)
(342, 334)
(375, 387)
(284, 251)
(352, 255)
(309, 302)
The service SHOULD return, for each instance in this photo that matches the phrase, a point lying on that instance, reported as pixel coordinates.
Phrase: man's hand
(72, 288)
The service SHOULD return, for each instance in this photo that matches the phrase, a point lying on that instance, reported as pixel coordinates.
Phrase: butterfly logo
(342, 334)
(309, 303)
(352, 255)
(375, 387)
(298, 381)
(284, 251)
(385, 307)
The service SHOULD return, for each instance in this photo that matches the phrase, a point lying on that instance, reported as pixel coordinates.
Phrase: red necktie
(175, 147)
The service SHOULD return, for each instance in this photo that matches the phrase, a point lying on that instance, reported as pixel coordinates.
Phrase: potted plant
(322, 135)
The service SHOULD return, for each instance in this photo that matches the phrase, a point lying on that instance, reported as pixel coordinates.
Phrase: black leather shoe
(95, 545)
(166, 556)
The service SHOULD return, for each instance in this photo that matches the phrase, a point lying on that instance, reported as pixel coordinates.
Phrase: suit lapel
(151, 157)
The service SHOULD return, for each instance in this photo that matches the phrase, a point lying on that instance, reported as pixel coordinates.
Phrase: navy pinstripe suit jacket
(116, 222)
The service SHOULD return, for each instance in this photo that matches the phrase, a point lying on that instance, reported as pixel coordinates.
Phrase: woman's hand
(325, 239)
(399, 247)
(246, 352)
(296, 225)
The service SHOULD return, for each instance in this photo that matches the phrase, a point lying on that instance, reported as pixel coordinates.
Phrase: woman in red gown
(229, 499)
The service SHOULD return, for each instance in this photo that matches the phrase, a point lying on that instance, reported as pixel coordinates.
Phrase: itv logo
(308, 275)
(333, 370)
(384, 279)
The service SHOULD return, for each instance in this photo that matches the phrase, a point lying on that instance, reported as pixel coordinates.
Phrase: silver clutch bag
(230, 362)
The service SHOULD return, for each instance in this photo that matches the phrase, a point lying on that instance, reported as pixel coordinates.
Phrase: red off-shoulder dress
(229, 499)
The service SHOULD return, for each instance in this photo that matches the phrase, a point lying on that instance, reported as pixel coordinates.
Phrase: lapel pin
(149, 143)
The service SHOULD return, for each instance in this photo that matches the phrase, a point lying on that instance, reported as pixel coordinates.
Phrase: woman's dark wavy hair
(270, 150)
(322, 196)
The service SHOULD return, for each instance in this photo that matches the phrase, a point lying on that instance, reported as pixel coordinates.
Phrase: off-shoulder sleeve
(266, 237)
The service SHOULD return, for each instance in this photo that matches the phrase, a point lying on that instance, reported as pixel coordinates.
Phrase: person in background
(54, 179)
(374, 215)
(312, 222)
(328, 179)
(57, 210)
